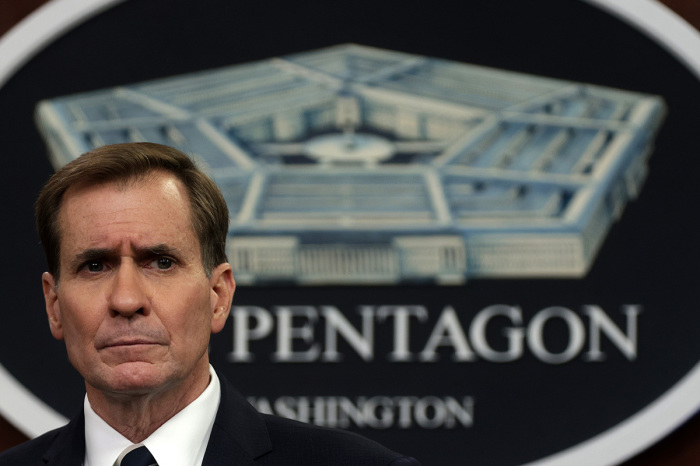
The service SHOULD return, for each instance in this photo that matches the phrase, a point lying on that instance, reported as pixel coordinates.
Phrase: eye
(162, 263)
(94, 266)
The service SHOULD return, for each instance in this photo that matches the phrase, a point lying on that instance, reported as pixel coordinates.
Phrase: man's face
(133, 303)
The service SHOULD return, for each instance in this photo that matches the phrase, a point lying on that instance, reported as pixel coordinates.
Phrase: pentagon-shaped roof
(353, 164)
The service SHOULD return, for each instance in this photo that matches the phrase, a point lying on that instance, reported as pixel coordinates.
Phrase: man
(134, 236)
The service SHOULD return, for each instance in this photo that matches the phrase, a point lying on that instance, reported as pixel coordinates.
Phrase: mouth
(126, 342)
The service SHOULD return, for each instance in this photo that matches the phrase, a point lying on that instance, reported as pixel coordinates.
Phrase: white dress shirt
(181, 441)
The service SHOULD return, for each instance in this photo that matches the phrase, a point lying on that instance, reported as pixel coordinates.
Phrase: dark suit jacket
(240, 436)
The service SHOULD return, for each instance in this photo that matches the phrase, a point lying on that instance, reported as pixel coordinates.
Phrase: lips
(129, 342)
(122, 341)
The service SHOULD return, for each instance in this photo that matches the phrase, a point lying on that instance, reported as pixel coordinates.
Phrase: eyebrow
(91, 254)
(95, 254)
(161, 249)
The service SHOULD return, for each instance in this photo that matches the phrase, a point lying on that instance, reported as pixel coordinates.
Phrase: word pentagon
(497, 333)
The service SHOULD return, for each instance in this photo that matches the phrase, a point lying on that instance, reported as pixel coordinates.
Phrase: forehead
(154, 208)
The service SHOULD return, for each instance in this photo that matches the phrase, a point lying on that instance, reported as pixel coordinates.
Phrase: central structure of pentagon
(359, 165)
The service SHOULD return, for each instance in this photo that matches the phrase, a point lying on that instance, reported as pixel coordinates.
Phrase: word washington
(377, 412)
(498, 333)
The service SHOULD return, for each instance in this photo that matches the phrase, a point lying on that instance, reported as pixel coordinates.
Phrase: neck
(137, 416)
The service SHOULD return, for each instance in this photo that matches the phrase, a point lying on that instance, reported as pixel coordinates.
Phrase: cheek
(194, 318)
(79, 319)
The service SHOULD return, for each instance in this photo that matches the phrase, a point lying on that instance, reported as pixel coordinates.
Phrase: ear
(222, 289)
(53, 308)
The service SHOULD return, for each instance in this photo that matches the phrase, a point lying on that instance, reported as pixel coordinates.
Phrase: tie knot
(139, 456)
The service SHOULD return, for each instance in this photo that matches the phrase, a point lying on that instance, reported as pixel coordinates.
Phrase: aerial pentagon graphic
(352, 164)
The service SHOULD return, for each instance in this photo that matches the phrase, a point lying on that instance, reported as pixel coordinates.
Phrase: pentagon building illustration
(352, 165)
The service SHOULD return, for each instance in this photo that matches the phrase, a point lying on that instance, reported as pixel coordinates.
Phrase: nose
(127, 294)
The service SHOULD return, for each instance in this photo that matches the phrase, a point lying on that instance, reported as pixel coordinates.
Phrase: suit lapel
(68, 447)
(239, 434)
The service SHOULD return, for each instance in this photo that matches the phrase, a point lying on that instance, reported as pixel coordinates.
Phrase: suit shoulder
(327, 446)
(29, 452)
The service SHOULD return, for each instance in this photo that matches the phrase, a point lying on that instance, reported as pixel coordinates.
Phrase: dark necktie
(139, 457)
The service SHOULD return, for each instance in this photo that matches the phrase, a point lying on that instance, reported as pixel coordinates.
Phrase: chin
(133, 378)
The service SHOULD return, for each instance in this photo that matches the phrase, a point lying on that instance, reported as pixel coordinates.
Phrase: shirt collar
(181, 441)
